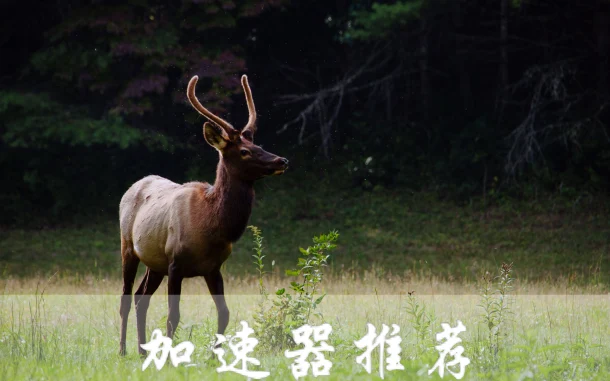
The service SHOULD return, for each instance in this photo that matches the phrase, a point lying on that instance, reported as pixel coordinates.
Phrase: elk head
(241, 156)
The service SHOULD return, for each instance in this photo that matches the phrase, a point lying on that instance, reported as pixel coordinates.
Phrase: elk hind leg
(149, 285)
(174, 288)
(130, 268)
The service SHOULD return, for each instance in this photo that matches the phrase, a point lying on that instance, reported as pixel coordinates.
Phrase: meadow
(419, 265)
(544, 337)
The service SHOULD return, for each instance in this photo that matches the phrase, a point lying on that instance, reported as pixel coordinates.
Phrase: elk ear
(215, 136)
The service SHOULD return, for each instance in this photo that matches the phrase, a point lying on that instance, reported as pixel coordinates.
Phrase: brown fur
(187, 230)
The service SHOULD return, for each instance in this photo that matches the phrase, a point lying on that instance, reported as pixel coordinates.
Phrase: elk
(187, 230)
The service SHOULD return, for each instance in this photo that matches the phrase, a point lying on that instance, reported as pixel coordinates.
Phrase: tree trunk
(601, 25)
(503, 52)
(463, 74)
(423, 70)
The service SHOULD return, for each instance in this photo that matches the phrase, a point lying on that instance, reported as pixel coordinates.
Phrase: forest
(465, 99)
(450, 159)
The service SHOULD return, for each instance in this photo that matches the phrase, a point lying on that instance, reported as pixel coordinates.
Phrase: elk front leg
(174, 286)
(216, 287)
(149, 285)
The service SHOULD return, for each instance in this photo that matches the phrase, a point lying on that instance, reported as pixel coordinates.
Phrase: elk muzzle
(282, 163)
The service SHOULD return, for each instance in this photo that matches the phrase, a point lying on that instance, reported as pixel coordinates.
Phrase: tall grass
(551, 337)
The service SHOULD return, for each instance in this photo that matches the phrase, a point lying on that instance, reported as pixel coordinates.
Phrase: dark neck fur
(235, 197)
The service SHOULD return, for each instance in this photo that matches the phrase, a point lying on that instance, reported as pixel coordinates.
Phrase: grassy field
(547, 337)
(60, 289)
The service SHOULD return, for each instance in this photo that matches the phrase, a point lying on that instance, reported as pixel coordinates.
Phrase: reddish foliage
(131, 52)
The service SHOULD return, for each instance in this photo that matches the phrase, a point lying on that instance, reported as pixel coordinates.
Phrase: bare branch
(548, 119)
(323, 106)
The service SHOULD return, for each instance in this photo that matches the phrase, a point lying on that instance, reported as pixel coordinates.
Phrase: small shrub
(276, 317)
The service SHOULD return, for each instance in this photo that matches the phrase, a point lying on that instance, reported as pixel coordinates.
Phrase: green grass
(396, 232)
(74, 337)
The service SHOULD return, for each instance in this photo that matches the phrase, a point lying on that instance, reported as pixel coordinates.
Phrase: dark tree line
(466, 97)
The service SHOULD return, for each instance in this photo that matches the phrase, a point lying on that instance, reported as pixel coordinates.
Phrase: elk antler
(250, 129)
(190, 93)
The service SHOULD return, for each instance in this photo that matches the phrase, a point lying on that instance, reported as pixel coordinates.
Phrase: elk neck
(234, 197)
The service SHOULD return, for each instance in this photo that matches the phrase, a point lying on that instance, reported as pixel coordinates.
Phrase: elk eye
(244, 152)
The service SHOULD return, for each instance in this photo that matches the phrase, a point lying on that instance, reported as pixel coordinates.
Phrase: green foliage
(421, 319)
(516, 3)
(289, 311)
(382, 19)
(36, 121)
(496, 305)
(258, 257)
(42, 140)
